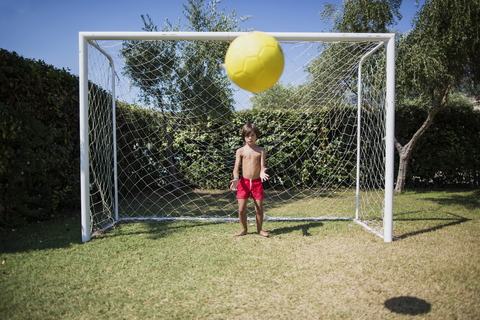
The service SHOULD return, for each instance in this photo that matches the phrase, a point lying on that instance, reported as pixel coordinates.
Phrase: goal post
(160, 120)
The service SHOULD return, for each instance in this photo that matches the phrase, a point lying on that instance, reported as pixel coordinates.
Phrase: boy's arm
(236, 171)
(263, 170)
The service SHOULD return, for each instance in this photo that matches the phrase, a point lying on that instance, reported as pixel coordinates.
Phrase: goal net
(161, 121)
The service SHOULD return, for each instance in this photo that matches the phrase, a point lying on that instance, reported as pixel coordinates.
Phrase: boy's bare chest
(251, 155)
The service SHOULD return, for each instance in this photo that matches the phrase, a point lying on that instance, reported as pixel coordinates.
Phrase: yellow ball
(254, 61)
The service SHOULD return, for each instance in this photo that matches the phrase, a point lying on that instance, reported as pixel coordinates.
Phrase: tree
(440, 54)
(279, 95)
(203, 69)
(153, 67)
(352, 16)
(183, 77)
(362, 16)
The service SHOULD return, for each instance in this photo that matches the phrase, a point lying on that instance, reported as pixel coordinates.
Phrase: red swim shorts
(247, 186)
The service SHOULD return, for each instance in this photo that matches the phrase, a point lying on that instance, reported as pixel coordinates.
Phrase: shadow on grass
(454, 221)
(160, 229)
(468, 202)
(408, 306)
(304, 227)
(64, 233)
(217, 203)
(54, 234)
(470, 199)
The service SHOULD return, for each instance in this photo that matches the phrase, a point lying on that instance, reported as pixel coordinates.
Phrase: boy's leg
(242, 215)
(259, 217)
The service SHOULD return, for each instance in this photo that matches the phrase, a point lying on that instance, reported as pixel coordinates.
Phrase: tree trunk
(402, 169)
(405, 151)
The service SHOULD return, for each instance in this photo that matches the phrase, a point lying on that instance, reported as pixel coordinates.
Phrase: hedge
(204, 154)
(448, 153)
(39, 144)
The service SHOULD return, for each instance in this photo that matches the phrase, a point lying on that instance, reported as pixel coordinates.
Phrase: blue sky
(48, 29)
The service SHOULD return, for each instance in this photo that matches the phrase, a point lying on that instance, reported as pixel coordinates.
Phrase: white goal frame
(90, 37)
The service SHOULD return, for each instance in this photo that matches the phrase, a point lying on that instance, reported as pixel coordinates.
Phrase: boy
(252, 159)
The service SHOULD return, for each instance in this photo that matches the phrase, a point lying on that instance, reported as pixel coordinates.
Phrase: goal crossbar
(230, 36)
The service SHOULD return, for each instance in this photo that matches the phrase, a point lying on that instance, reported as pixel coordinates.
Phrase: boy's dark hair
(248, 128)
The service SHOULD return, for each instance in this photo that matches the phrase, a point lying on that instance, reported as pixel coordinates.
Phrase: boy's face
(250, 138)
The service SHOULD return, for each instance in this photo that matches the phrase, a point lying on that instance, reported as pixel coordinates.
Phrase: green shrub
(39, 144)
(448, 153)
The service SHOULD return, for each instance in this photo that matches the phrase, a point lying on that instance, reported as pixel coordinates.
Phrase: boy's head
(248, 129)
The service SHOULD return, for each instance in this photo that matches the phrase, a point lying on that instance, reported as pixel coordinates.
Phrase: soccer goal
(160, 122)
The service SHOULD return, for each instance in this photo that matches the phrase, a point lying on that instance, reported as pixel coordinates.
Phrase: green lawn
(305, 270)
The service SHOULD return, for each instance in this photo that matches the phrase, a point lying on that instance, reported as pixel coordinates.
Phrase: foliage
(362, 16)
(173, 75)
(39, 138)
(333, 66)
(204, 154)
(279, 96)
(442, 50)
(39, 119)
(439, 55)
(181, 77)
(152, 67)
(142, 148)
(39, 145)
(449, 152)
(304, 160)
(202, 61)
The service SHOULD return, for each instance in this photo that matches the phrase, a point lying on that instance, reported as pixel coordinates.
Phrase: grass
(305, 270)
(215, 203)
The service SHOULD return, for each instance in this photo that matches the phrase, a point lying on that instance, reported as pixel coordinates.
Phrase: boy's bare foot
(264, 233)
(241, 233)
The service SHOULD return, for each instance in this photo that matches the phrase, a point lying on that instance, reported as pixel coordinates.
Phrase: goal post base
(106, 228)
(376, 232)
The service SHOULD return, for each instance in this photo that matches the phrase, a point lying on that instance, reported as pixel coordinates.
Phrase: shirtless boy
(252, 160)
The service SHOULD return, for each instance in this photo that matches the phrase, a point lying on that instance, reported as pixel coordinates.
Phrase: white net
(171, 149)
